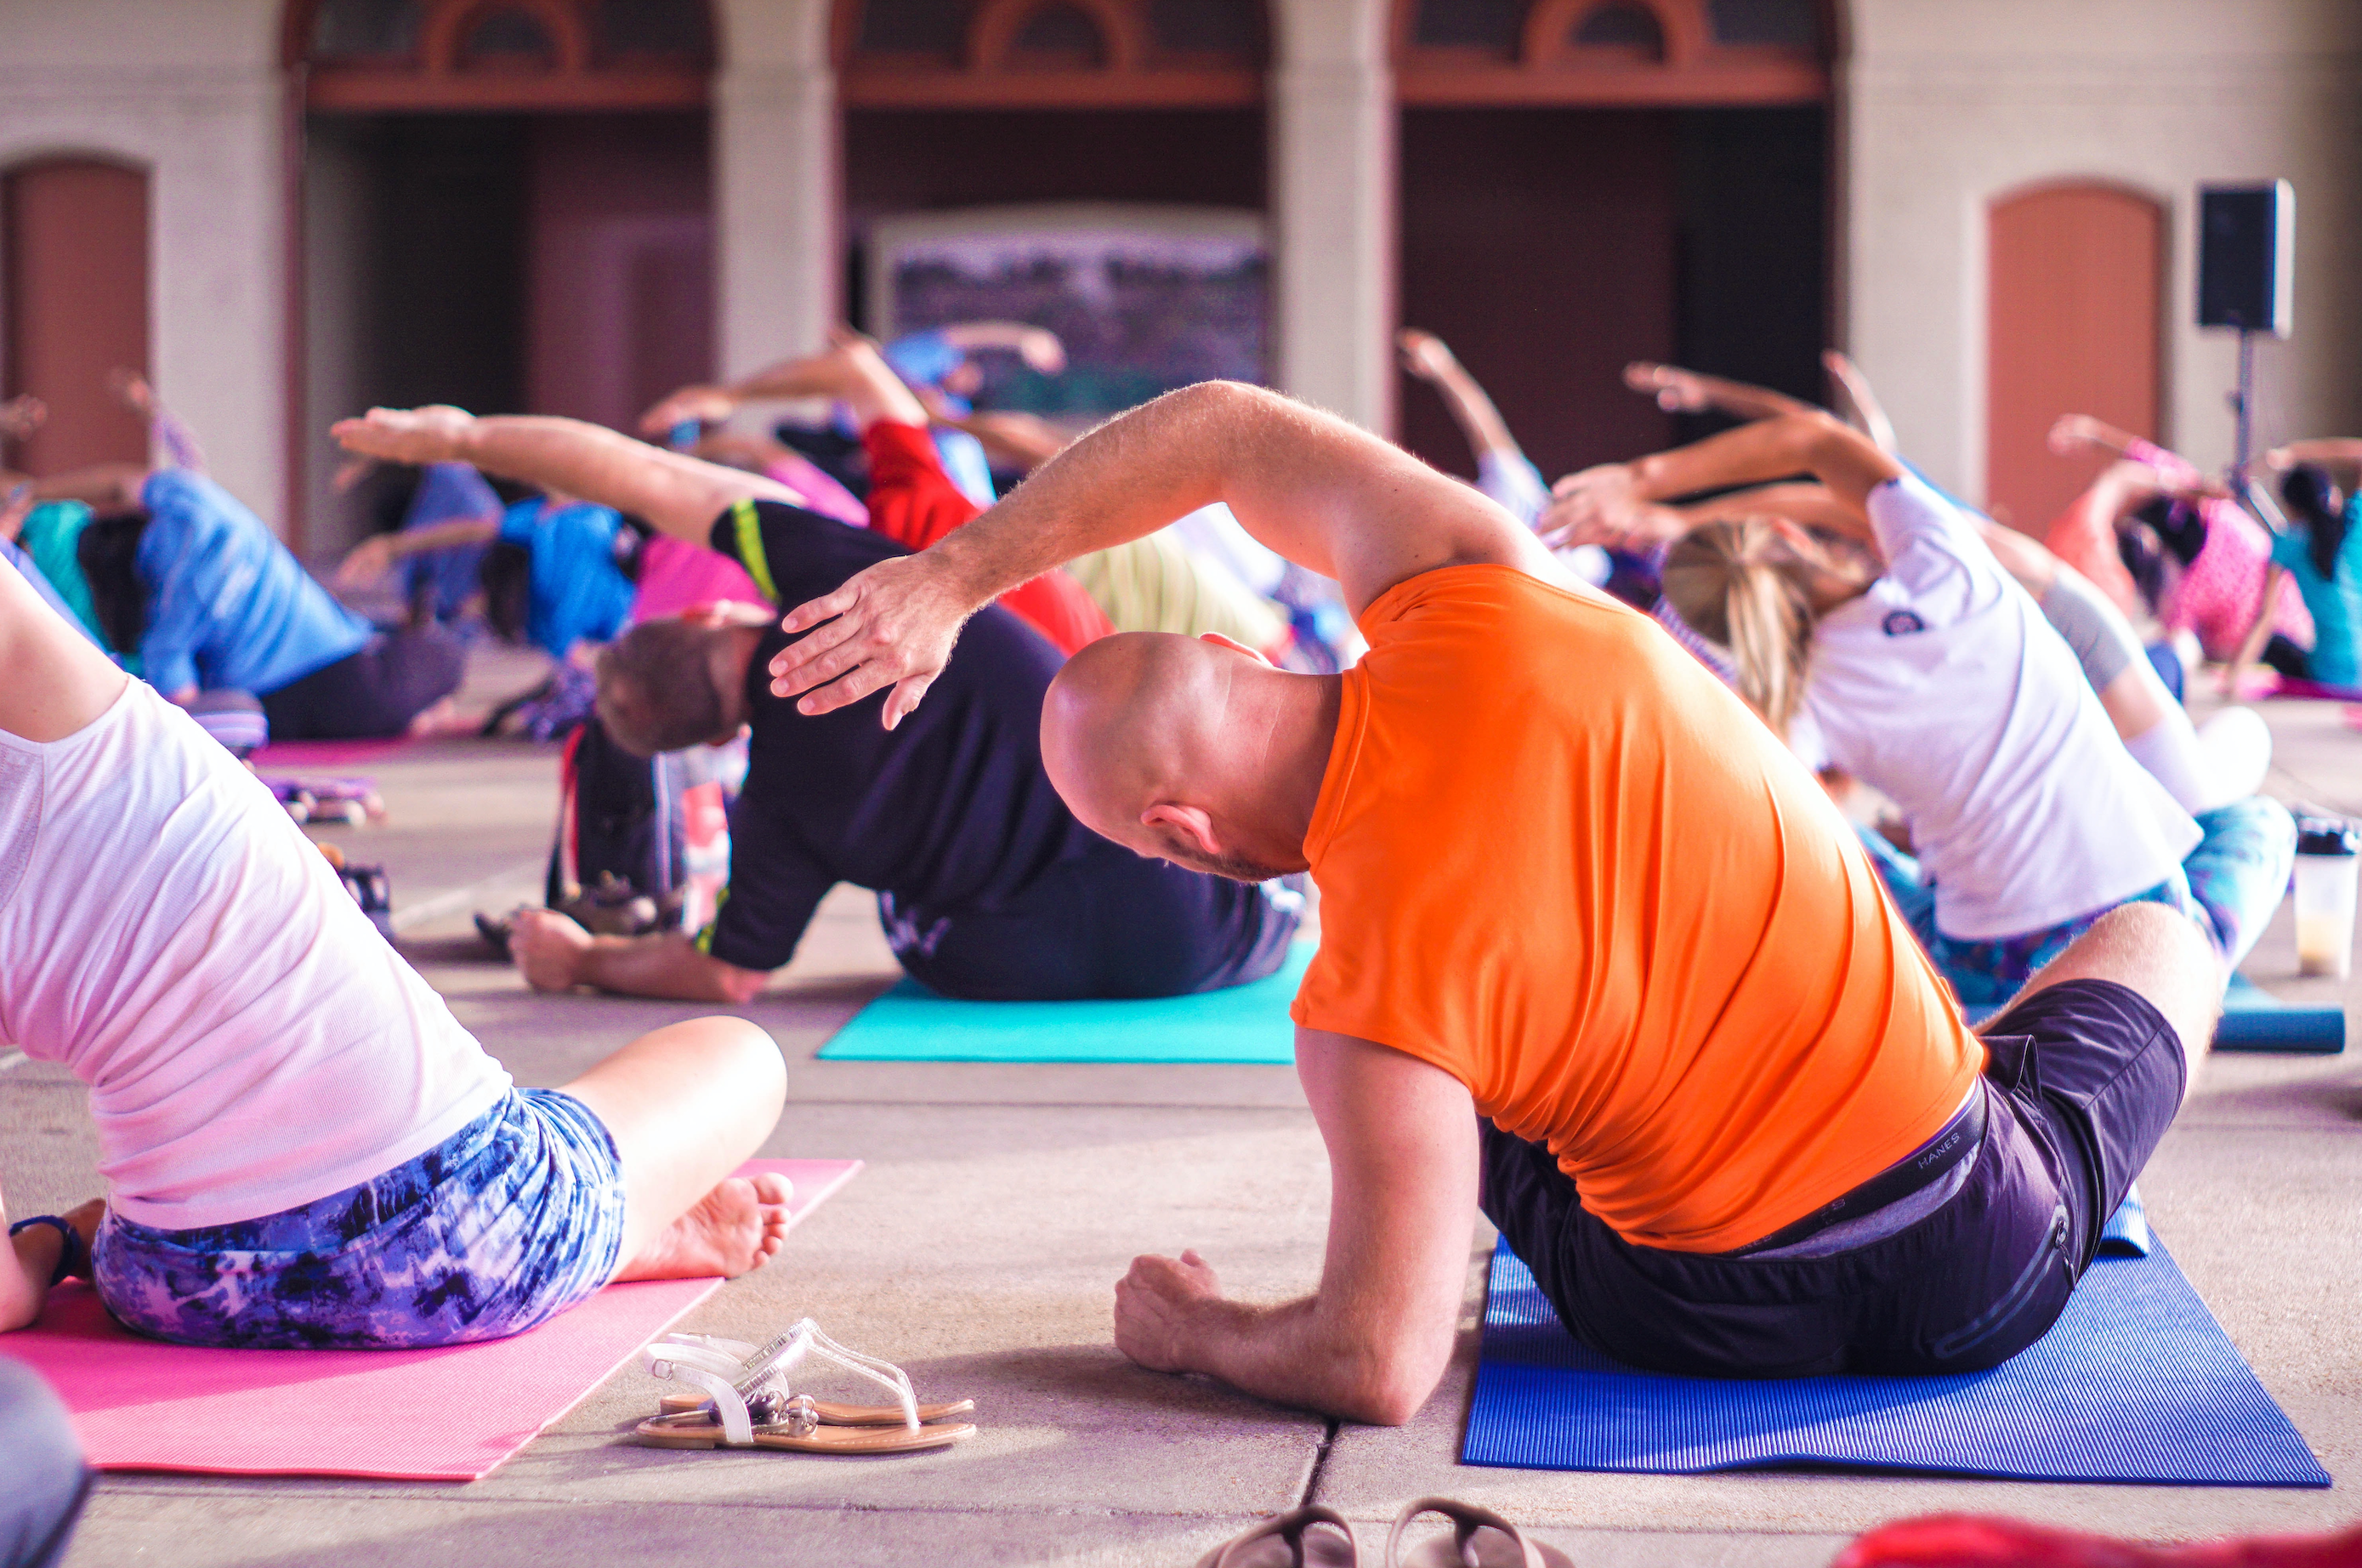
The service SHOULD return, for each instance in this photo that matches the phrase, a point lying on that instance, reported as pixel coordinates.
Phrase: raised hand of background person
(1861, 403)
(2073, 432)
(131, 389)
(1040, 349)
(1677, 390)
(705, 405)
(21, 415)
(418, 435)
(1425, 354)
(366, 562)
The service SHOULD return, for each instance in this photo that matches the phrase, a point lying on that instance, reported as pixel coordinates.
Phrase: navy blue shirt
(951, 810)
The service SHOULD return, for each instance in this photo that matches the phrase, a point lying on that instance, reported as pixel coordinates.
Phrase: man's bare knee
(2157, 951)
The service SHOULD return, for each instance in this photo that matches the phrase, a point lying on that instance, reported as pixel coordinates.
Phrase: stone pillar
(1332, 205)
(776, 186)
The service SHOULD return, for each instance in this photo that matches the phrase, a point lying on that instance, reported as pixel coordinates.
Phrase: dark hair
(656, 687)
(109, 554)
(507, 577)
(2312, 498)
(2177, 523)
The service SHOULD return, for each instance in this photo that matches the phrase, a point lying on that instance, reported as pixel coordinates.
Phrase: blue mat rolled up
(2254, 1020)
(2136, 1382)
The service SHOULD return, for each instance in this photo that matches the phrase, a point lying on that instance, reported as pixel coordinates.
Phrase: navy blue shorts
(2084, 1079)
(1104, 923)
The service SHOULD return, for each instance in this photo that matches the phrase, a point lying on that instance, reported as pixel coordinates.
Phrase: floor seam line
(1319, 1464)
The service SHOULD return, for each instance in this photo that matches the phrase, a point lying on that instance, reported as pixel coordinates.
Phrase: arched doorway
(967, 121)
(1585, 182)
(75, 272)
(505, 205)
(2075, 273)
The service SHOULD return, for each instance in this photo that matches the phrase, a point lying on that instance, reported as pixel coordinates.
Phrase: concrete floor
(981, 1246)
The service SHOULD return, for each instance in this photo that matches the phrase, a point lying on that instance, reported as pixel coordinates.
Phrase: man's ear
(1190, 822)
(1235, 646)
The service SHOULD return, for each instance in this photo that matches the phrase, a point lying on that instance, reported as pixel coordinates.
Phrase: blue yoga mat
(1245, 1024)
(2254, 1020)
(2136, 1382)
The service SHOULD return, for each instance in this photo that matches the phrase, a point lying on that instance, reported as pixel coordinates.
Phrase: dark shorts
(1105, 924)
(2084, 1079)
(373, 693)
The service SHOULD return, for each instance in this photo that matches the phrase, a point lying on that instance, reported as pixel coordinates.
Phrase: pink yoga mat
(429, 1415)
(328, 756)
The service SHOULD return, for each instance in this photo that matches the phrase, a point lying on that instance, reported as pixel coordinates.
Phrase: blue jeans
(507, 1223)
(2229, 886)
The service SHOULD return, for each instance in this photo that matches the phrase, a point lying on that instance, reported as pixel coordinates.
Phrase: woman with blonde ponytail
(1921, 667)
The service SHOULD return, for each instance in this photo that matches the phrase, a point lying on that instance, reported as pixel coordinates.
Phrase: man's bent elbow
(736, 986)
(1392, 1384)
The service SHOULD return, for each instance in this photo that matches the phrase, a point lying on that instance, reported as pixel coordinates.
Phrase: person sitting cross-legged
(301, 1147)
(1597, 952)
(988, 888)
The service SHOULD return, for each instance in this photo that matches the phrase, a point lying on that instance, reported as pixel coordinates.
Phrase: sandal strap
(788, 1350)
(1466, 1519)
(691, 1364)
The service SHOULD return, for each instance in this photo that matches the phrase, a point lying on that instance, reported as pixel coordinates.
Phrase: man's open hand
(1156, 1310)
(893, 624)
(435, 434)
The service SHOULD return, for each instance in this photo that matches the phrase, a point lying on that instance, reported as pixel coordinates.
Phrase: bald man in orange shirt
(1597, 954)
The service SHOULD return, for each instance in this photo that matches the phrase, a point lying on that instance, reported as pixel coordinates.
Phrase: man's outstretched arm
(1327, 496)
(677, 494)
(1375, 1340)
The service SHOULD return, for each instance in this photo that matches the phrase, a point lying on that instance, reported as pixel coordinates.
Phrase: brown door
(73, 252)
(2073, 328)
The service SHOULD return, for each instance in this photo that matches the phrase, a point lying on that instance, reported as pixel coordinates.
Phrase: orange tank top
(1561, 861)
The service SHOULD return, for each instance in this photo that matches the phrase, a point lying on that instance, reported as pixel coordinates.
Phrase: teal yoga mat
(1245, 1024)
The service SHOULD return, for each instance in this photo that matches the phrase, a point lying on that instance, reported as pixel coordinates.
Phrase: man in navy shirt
(987, 885)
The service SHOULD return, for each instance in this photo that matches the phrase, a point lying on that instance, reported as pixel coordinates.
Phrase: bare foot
(731, 1231)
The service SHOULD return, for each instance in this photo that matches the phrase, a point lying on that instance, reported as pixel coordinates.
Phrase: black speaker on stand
(2246, 269)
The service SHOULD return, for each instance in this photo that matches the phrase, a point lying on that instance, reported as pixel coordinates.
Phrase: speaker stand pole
(2244, 402)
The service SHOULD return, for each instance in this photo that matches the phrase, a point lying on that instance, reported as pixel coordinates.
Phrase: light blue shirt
(227, 605)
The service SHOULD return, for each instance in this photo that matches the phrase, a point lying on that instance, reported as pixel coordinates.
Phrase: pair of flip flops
(746, 1400)
(1316, 1537)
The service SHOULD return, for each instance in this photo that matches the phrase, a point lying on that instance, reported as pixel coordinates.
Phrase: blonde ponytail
(1738, 584)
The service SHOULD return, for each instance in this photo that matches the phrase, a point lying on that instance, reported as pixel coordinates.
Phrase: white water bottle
(2326, 870)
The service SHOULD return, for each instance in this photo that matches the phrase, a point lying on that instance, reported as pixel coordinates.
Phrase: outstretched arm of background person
(370, 559)
(850, 371)
(1430, 358)
(555, 953)
(2341, 455)
(679, 495)
(1037, 346)
(1330, 497)
(1687, 392)
(2259, 632)
(1371, 1344)
(1857, 399)
(1616, 503)
(1813, 505)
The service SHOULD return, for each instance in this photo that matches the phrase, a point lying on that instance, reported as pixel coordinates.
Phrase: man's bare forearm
(1128, 478)
(667, 966)
(1294, 1355)
(679, 495)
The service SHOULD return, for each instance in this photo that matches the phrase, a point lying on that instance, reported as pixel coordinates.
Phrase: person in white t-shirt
(301, 1147)
(1932, 676)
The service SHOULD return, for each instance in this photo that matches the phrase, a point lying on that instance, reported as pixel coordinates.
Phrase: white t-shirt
(249, 1040)
(1944, 687)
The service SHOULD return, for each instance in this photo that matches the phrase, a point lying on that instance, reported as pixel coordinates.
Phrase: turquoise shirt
(2335, 602)
(576, 591)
